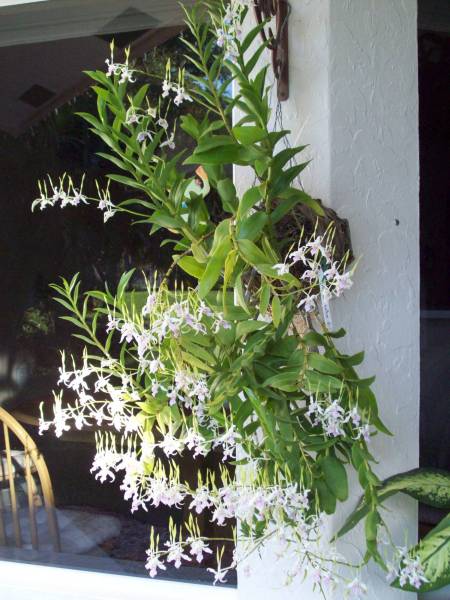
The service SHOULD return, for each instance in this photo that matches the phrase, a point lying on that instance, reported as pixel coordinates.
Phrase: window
(44, 47)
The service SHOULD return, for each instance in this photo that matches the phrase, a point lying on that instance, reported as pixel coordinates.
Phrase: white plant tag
(326, 310)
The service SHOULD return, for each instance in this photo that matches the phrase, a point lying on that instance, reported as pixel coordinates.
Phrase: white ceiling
(43, 21)
(45, 46)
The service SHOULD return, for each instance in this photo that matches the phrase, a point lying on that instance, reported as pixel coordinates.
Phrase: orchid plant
(244, 361)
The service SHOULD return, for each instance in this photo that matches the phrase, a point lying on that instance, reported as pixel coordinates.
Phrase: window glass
(44, 47)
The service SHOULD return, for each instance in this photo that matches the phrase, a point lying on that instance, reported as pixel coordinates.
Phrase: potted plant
(245, 356)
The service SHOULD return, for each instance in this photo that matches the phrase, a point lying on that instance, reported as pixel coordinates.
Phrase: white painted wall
(354, 98)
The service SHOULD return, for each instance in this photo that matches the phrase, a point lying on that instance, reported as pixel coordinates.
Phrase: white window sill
(20, 581)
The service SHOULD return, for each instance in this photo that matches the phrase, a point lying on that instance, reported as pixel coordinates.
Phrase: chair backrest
(21, 465)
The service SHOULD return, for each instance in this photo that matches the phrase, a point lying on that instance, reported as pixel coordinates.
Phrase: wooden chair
(23, 465)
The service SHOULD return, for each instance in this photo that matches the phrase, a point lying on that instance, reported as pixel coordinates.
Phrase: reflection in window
(52, 510)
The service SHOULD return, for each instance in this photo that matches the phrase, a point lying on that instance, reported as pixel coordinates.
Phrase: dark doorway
(434, 136)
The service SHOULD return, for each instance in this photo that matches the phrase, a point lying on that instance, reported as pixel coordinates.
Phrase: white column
(374, 183)
(354, 99)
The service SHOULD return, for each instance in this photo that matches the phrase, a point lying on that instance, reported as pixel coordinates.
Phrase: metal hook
(277, 42)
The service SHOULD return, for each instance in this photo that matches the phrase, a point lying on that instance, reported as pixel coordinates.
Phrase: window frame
(24, 581)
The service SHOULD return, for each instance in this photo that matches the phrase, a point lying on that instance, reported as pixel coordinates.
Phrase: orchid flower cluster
(158, 385)
(408, 570)
(324, 277)
(177, 88)
(64, 193)
(229, 29)
(332, 418)
(120, 70)
(148, 125)
(152, 120)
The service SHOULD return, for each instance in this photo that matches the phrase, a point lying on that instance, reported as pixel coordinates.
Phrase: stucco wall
(354, 100)
(374, 183)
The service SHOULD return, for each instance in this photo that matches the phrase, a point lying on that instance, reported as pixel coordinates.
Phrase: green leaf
(252, 227)
(227, 153)
(430, 486)
(313, 338)
(222, 231)
(318, 382)
(246, 327)
(64, 303)
(295, 196)
(313, 204)
(284, 206)
(327, 499)
(140, 95)
(297, 359)
(196, 362)
(99, 76)
(196, 350)
(190, 125)
(191, 266)
(248, 200)
(227, 193)
(276, 310)
(264, 298)
(116, 161)
(377, 422)
(210, 142)
(284, 156)
(321, 363)
(251, 253)
(367, 401)
(335, 476)
(214, 268)
(90, 119)
(251, 35)
(215, 156)
(84, 339)
(123, 283)
(73, 320)
(252, 62)
(340, 333)
(239, 293)
(358, 456)
(230, 264)
(284, 180)
(371, 526)
(355, 360)
(286, 381)
(264, 415)
(127, 181)
(216, 262)
(249, 135)
(163, 219)
(259, 83)
(261, 165)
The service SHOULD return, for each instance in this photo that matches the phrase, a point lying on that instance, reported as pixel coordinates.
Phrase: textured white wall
(374, 183)
(354, 100)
